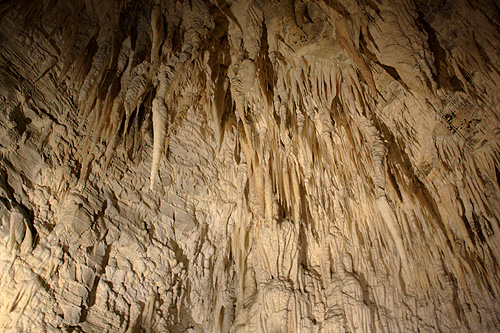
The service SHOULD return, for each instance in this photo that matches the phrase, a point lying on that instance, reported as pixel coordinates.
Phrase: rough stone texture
(247, 166)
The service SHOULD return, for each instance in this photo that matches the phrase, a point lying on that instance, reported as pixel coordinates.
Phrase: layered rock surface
(248, 166)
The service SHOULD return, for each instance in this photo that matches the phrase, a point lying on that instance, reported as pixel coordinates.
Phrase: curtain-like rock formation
(249, 166)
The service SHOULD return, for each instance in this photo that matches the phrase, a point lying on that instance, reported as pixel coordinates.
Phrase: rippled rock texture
(249, 166)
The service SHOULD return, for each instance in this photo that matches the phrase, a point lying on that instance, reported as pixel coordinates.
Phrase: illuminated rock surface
(247, 166)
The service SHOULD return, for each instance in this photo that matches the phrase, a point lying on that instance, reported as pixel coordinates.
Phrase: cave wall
(248, 166)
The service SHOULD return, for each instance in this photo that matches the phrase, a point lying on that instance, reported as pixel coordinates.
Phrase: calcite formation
(249, 166)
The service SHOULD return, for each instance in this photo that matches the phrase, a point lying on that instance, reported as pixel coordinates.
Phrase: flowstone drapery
(248, 166)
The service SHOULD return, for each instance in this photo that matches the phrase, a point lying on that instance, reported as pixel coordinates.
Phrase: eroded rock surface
(249, 166)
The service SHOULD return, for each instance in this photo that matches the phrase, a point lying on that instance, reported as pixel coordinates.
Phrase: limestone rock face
(249, 166)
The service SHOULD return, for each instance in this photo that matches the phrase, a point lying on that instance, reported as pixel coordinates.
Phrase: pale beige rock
(249, 166)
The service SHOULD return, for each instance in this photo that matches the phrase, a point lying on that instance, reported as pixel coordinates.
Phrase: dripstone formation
(249, 166)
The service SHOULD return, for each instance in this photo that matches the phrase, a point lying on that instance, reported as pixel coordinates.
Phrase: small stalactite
(157, 29)
(269, 197)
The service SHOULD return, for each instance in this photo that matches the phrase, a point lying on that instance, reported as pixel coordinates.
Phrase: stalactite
(260, 196)
(296, 195)
(135, 91)
(269, 196)
(90, 86)
(346, 41)
(157, 29)
(160, 121)
(241, 82)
